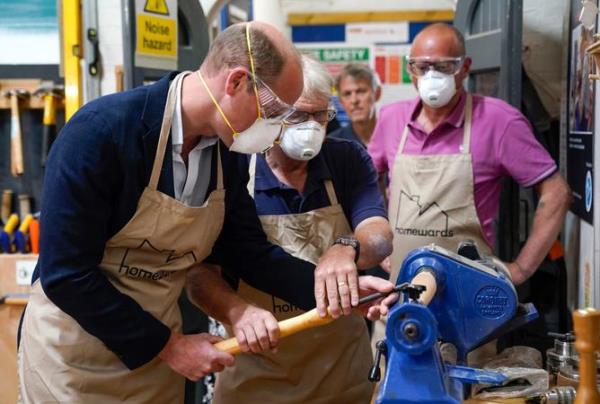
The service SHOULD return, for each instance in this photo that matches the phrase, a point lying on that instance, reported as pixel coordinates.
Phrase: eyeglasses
(419, 66)
(298, 116)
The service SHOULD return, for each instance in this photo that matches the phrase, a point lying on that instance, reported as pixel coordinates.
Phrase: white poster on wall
(377, 32)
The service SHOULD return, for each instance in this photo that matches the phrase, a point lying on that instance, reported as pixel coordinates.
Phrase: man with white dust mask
(316, 198)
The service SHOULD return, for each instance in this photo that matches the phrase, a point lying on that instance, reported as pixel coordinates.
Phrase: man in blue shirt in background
(316, 197)
(358, 89)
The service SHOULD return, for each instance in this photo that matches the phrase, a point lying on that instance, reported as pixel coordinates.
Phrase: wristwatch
(350, 241)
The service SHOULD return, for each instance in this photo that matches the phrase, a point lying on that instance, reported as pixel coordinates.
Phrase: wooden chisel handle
(6, 209)
(310, 319)
(16, 138)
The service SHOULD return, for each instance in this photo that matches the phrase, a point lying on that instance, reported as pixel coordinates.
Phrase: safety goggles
(268, 104)
(322, 117)
(419, 66)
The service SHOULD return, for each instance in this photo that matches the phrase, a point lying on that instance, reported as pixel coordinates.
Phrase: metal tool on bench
(466, 303)
(560, 355)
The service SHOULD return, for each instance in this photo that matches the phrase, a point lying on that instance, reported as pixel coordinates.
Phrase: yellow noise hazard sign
(156, 7)
(156, 36)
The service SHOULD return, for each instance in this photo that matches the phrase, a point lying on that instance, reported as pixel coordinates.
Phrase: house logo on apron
(434, 218)
(133, 259)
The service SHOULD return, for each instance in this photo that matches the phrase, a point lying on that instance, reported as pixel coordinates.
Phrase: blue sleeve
(244, 252)
(81, 183)
(364, 196)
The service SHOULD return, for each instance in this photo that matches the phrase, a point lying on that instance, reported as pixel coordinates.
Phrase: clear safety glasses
(419, 66)
(270, 105)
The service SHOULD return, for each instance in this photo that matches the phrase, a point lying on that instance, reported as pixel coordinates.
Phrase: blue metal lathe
(473, 302)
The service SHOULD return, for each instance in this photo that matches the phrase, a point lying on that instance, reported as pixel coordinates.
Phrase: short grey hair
(317, 80)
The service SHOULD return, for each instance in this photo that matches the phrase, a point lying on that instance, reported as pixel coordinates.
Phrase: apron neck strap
(403, 139)
(252, 175)
(466, 146)
(331, 192)
(165, 129)
(219, 167)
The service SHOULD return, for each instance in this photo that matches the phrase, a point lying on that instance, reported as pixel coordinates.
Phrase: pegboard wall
(31, 116)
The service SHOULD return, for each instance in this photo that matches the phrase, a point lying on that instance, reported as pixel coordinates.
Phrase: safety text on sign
(156, 35)
(344, 54)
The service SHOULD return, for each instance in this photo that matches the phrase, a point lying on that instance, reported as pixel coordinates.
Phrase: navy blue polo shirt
(346, 132)
(344, 162)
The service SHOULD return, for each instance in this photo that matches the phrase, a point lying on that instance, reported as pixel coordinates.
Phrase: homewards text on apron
(432, 201)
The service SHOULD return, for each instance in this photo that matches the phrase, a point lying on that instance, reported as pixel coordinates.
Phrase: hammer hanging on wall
(16, 136)
(50, 96)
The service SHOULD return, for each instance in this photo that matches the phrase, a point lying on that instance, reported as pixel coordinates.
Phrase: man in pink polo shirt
(446, 154)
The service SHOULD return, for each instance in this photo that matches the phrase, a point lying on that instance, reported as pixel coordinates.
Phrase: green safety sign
(341, 54)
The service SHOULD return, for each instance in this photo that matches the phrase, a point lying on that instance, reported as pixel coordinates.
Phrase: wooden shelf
(28, 102)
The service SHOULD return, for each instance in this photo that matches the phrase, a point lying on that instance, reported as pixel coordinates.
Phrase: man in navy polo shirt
(316, 198)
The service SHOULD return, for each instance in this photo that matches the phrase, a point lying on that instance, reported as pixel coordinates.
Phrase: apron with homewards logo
(432, 201)
(146, 260)
(328, 364)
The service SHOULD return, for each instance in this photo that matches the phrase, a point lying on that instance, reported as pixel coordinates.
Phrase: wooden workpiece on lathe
(426, 278)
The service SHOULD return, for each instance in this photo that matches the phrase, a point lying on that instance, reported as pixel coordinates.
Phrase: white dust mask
(303, 141)
(436, 89)
(259, 137)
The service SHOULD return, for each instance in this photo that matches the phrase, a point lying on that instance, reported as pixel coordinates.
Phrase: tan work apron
(432, 201)
(146, 260)
(328, 364)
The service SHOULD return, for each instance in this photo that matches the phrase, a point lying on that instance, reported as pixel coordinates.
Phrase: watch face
(347, 241)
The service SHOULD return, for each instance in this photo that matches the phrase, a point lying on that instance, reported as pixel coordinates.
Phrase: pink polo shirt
(502, 144)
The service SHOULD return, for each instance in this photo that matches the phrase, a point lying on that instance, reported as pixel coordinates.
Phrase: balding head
(244, 91)
(272, 52)
(438, 40)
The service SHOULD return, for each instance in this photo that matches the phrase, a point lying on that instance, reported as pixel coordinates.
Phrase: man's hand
(255, 329)
(194, 356)
(371, 284)
(336, 281)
